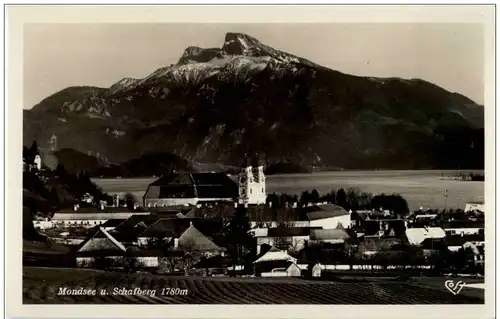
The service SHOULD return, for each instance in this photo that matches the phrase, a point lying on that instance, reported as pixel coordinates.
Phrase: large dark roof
(324, 211)
(433, 244)
(175, 227)
(133, 220)
(462, 224)
(165, 228)
(205, 185)
(458, 240)
(113, 222)
(289, 231)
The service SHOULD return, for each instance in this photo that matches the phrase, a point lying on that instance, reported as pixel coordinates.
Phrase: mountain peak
(191, 51)
(239, 43)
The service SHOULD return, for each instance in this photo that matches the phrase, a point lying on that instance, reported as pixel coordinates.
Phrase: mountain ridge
(217, 104)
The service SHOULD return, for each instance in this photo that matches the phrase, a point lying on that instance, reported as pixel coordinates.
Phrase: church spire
(246, 162)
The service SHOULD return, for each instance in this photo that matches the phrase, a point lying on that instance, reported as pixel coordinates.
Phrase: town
(207, 224)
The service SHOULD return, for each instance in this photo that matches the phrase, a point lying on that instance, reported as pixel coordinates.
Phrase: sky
(56, 56)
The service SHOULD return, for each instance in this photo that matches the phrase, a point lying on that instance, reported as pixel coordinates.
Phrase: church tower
(252, 182)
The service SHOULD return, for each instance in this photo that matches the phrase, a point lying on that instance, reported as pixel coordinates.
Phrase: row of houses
(172, 241)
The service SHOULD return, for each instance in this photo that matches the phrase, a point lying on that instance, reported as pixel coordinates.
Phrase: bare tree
(191, 255)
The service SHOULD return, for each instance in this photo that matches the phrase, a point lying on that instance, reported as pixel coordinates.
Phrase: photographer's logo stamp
(454, 287)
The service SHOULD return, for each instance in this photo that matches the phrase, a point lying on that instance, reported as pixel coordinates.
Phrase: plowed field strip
(263, 292)
(209, 292)
(411, 294)
(390, 295)
(340, 293)
(314, 293)
(233, 294)
(243, 294)
(273, 291)
(292, 293)
(193, 294)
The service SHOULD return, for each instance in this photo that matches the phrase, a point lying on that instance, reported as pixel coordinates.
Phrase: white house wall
(298, 242)
(94, 216)
(462, 231)
(274, 224)
(332, 222)
(87, 262)
(473, 207)
(166, 202)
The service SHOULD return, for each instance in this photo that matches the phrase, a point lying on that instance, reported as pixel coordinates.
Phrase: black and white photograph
(255, 163)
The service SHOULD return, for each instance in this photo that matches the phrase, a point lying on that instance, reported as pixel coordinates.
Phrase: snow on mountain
(122, 85)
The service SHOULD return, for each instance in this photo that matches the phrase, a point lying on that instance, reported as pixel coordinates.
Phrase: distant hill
(76, 162)
(146, 165)
(217, 104)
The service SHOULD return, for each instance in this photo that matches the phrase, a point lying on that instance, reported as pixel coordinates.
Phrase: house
(456, 242)
(166, 230)
(275, 254)
(278, 268)
(463, 227)
(101, 240)
(283, 238)
(432, 246)
(328, 216)
(100, 243)
(189, 188)
(129, 230)
(474, 206)
(214, 266)
(161, 261)
(426, 216)
(316, 270)
(273, 224)
(192, 240)
(416, 236)
(89, 217)
(332, 236)
(276, 263)
(373, 245)
(112, 223)
(384, 227)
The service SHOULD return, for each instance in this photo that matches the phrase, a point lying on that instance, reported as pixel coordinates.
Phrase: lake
(423, 188)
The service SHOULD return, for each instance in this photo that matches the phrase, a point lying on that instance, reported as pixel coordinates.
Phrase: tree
(129, 201)
(395, 203)
(61, 171)
(341, 198)
(237, 235)
(314, 196)
(273, 199)
(54, 197)
(34, 149)
(353, 195)
(305, 198)
(330, 197)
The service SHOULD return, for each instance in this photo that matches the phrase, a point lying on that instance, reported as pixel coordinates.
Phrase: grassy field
(41, 286)
(419, 188)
